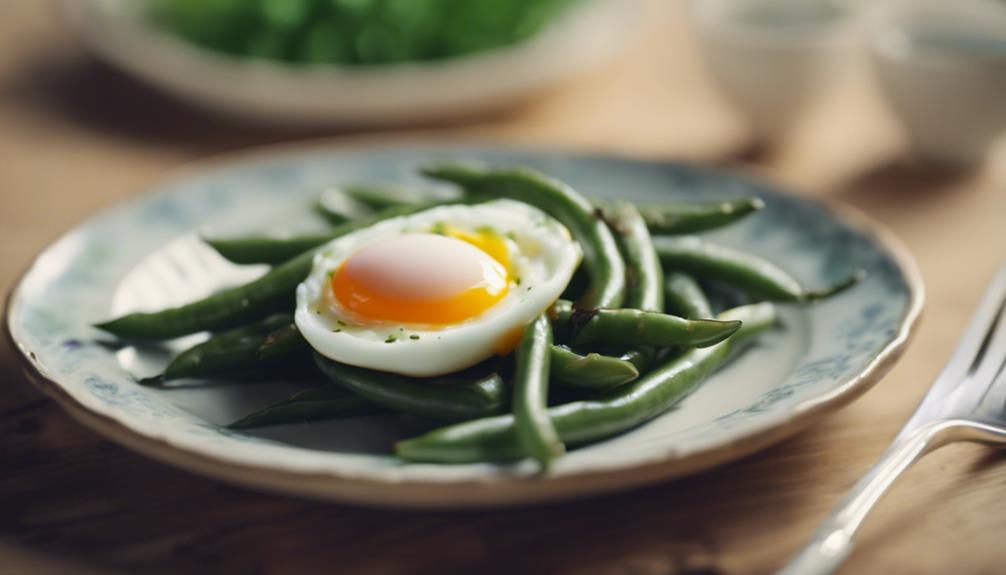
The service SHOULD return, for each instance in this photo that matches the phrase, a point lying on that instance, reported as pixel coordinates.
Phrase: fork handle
(834, 540)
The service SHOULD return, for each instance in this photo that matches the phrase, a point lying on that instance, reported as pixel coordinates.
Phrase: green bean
(331, 214)
(579, 422)
(684, 218)
(593, 371)
(435, 398)
(633, 327)
(338, 208)
(602, 261)
(272, 249)
(639, 359)
(644, 274)
(284, 341)
(383, 196)
(232, 352)
(530, 402)
(278, 249)
(316, 404)
(751, 274)
(232, 307)
(685, 297)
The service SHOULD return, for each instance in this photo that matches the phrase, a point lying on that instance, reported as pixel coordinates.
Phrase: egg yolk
(423, 278)
(487, 241)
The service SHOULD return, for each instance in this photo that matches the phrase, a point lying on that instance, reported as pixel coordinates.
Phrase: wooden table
(76, 136)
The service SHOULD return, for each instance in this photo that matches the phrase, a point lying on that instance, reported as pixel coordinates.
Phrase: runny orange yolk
(428, 279)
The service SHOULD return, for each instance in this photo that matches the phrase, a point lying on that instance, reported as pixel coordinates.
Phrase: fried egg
(436, 291)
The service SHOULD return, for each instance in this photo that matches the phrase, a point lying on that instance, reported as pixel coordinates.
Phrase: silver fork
(967, 402)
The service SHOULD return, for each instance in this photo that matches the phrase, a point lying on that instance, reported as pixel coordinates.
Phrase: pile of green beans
(639, 338)
(579, 422)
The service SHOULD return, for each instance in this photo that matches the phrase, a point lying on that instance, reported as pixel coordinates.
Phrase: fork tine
(991, 373)
(962, 362)
(994, 403)
(985, 318)
(991, 360)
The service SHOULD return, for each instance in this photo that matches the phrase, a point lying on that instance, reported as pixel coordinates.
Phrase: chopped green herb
(413, 336)
(391, 339)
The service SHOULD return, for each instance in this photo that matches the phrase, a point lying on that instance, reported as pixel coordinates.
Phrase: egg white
(542, 255)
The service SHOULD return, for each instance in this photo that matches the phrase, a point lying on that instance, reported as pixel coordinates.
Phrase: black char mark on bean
(578, 319)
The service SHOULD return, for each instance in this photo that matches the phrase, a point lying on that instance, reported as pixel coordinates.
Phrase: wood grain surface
(76, 136)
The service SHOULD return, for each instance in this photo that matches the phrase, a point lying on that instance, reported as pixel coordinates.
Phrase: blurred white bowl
(401, 93)
(942, 66)
(771, 57)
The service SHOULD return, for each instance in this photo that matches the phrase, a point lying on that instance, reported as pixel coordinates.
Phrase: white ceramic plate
(274, 92)
(144, 254)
